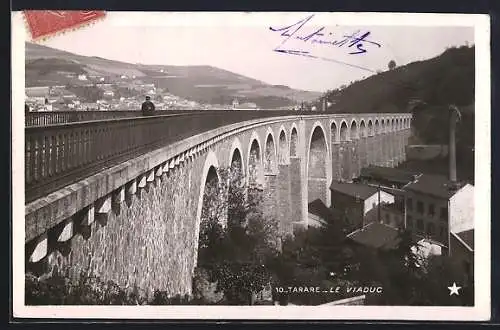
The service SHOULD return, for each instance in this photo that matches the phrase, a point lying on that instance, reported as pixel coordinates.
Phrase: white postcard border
(481, 310)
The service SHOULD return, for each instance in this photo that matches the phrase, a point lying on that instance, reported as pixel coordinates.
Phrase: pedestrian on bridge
(148, 108)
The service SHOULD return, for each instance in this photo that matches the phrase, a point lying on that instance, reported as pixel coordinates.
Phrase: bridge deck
(58, 155)
(45, 118)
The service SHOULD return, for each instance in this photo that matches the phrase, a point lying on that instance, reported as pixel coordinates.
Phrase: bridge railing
(44, 118)
(58, 155)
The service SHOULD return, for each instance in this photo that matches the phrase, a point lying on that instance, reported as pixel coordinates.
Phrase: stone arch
(236, 162)
(354, 133)
(318, 165)
(371, 131)
(294, 141)
(236, 180)
(382, 125)
(207, 174)
(334, 132)
(255, 169)
(362, 129)
(344, 131)
(393, 125)
(283, 157)
(270, 158)
(212, 175)
(236, 155)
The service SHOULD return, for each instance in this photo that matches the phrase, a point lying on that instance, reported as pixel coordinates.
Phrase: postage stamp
(251, 166)
(43, 23)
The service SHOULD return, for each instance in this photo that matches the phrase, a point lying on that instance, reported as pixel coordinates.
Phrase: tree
(236, 239)
(391, 65)
(317, 257)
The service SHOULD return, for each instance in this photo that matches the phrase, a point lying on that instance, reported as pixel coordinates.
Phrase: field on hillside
(205, 84)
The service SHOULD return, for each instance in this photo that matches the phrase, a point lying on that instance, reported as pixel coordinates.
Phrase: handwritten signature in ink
(356, 42)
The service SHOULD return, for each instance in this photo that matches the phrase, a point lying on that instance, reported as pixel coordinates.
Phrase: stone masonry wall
(284, 195)
(295, 190)
(355, 159)
(336, 162)
(149, 244)
(345, 152)
(271, 197)
(317, 190)
(362, 152)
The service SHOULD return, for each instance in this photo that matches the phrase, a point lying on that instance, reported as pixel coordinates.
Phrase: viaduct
(122, 198)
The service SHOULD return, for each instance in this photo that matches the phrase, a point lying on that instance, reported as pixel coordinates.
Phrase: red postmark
(46, 22)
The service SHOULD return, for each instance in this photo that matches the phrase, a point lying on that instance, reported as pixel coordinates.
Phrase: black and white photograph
(302, 165)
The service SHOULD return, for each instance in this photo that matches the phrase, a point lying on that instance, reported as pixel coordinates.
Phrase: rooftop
(393, 191)
(434, 185)
(318, 208)
(389, 174)
(423, 239)
(357, 190)
(376, 235)
(468, 237)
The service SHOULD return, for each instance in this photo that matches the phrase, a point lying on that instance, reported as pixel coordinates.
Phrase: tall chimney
(324, 104)
(452, 154)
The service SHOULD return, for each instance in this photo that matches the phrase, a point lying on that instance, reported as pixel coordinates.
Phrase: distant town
(94, 92)
(90, 92)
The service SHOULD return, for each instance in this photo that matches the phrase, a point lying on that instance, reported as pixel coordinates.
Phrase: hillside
(205, 84)
(446, 79)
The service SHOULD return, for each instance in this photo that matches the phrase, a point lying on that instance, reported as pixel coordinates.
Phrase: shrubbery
(88, 290)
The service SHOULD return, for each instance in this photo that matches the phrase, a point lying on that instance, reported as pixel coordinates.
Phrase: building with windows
(358, 203)
(435, 209)
(392, 214)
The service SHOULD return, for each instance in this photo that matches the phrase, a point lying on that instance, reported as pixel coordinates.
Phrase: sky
(244, 43)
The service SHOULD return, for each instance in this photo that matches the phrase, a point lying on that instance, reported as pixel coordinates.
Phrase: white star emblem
(454, 289)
